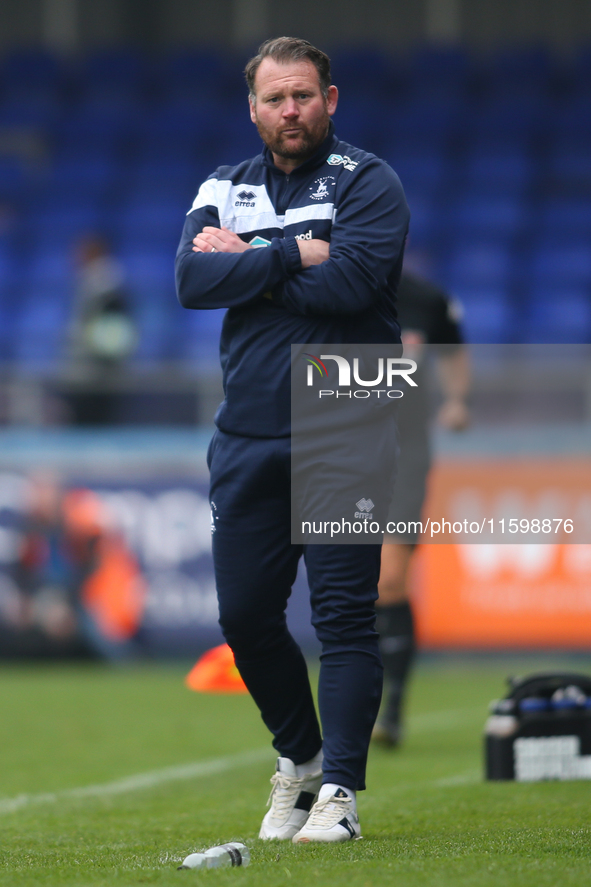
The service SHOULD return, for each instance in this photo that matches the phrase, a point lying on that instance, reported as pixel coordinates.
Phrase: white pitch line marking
(418, 723)
(469, 777)
(139, 780)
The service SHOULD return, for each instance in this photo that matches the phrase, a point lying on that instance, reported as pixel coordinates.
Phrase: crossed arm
(221, 240)
(303, 276)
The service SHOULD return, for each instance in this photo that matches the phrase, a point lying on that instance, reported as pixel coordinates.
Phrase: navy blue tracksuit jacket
(342, 195)
(354, 201)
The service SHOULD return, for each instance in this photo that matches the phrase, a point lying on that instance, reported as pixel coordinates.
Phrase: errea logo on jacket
(245, 198)
(243, 207)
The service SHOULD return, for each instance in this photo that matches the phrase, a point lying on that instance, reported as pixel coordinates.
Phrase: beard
(307, 142)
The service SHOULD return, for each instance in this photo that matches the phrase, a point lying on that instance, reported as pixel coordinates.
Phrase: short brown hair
(289, 49)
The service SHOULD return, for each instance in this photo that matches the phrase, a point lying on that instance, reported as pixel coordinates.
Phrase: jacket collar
(327, 147)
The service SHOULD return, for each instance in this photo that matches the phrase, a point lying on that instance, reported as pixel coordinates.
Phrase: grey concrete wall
(397, 24)
(20, 22)
(561, 23)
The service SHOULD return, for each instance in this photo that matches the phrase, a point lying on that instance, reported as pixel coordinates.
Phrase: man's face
(290, 112)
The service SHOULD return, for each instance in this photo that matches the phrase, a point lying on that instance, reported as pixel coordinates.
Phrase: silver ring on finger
(213, 249)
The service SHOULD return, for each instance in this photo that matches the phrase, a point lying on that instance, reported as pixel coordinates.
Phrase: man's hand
(454, 377)
(454, 415)
(218, 240)
(313, 252)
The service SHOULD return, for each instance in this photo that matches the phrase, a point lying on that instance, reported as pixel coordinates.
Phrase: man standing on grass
(303, 243)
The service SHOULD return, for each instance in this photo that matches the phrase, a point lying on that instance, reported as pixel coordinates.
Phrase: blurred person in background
(427, 317)
(79, 592)
(102, 334)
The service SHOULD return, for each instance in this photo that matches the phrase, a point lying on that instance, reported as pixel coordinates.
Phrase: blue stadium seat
(56, 225)
(42, 110)
(166, 179)
(192, 73)
(564, 218)
(31, 69)
(49, 265)
(572, 118)
(440, 70)
(149, 272)
(182, 119)
(480, 264)
(511, 114)
(362, 71)
(420, 171)
(19, 178)
(430, 121)
(237, 137)
(358, 122)
(496, 217)
(132, 240)
(562, 315)
(151, 287)
(102, 125)
(201, 130)
(577, 71)
(157, 327)
(115, 72)
(489, 314)
(524, 69)
(10, 270)
(569, 165)
(151, 220)
(201, 331)
(156, 147)
(497, 171)
(40, 327)
(566, 264)
(117, 112)
(426, 221)
(83, 176)
(10, 298)
(505, 142)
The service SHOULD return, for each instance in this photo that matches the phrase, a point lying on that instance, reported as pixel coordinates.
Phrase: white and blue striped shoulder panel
(241, 208)
(300, 214)
(244, 207)
(206, 196)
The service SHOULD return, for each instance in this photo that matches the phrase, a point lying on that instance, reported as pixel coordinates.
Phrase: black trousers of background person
(255, 567)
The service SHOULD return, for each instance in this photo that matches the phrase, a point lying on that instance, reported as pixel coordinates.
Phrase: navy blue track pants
(255, 566)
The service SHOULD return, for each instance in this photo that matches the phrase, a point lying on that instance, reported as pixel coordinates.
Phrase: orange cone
(216, 672)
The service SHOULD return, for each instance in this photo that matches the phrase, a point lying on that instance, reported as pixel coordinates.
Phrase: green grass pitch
(72, 738)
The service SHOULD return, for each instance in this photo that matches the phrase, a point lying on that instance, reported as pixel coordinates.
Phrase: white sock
(311, 766)
(331, 788)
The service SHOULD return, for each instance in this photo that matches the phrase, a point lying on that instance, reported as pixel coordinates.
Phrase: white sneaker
(291, 799)
(333, 818)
